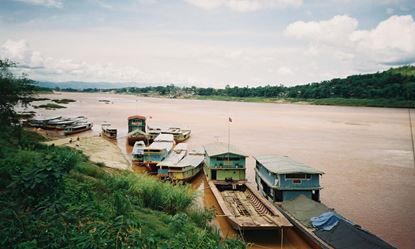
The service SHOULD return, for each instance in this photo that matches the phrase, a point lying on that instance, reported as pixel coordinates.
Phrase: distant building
(224, 163)
(280, 179)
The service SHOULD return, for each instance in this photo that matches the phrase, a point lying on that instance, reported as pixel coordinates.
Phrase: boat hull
(132, 139)
(245, 208)
(77, 131)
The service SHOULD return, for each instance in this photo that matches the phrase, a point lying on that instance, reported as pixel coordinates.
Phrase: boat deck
(246, 209)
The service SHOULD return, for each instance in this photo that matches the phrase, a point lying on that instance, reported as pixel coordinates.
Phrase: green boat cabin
(224, 162)
(136, 122)
(280, 178)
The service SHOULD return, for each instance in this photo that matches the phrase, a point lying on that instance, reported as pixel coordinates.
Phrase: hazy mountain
(100, 85)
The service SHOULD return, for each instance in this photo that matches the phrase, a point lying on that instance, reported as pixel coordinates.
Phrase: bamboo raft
(245, 208)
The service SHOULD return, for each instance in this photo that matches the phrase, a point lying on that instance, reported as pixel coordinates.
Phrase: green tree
(13, 90)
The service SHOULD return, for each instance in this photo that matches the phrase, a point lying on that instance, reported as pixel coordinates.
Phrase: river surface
(366, 153)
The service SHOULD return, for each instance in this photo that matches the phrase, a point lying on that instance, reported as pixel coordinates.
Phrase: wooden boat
(177, 154)
(77, 128)
(60, 124)
(158, 151)
(137, 135)
(136, 129)
(242, 205)
(108, 131)
(180, 135)
(41, 122)
(294, 189)
(138, 153)
(245, 208)
(186, 168)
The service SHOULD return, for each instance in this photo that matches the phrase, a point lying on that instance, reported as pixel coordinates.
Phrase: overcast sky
(206, 42)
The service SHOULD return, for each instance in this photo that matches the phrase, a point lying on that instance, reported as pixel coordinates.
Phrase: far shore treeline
(392, 88)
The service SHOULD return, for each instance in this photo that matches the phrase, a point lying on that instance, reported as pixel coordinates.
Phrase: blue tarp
(325, 221)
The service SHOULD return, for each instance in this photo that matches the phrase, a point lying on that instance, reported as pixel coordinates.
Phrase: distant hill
(79, 85)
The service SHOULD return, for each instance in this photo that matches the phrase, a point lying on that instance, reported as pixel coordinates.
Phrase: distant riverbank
(388, 103)
(327, 101)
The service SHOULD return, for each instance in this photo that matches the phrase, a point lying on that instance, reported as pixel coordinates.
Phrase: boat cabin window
(227, 158)
(297, 176)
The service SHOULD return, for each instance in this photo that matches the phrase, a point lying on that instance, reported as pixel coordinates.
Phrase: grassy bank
(327, 101)
(54, 197)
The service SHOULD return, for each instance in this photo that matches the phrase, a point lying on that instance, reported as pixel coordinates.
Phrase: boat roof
(197, 151)
(284, 165)
(173, 158)
(160, 146)
(164, 138)
(181, 147)
(136, 116)
(219, 148)
(190, 160)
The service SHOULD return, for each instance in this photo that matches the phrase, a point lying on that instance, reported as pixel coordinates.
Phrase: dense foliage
(396, 85)
(52, 197)
(13, 90)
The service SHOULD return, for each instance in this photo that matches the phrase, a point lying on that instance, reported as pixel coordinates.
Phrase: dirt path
(98, 150)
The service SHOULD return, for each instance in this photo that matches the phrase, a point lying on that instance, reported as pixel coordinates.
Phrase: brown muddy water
(366, 153)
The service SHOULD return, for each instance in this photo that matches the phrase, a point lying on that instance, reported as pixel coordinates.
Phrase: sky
(206, 42)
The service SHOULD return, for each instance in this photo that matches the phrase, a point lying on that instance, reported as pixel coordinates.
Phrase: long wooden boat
(158, 151)
(245, 208)
(77, 128)
(108, 131)
(305, 232)
(187, 168)
(41, 122)
(60, 124)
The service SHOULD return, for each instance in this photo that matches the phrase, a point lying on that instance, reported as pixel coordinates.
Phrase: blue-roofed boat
(294, 188)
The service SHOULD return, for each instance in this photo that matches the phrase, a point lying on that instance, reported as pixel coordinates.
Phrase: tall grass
(53, 197)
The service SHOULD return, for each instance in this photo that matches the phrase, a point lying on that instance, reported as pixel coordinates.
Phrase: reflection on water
(365, 153)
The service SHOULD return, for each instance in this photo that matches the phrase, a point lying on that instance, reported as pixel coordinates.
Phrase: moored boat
(136, 129)
(60, 124)
(294, 188)
(138, 153)
(242, 205)
(41, 122)
(180, 135)
(108, 131)
(177, 154)
(158, 151)
(77, 128)
(186, 168)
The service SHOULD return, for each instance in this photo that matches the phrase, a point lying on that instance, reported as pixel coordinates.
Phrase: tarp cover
(303, 209)
(325, 221)
(348, 236)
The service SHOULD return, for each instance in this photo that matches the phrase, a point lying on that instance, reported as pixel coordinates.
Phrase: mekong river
(366, 153)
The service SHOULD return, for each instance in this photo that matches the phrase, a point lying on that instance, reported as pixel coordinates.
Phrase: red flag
(230, 120)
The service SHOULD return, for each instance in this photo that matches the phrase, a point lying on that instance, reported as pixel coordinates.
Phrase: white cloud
(47, 3)
(333, 31)
(392, 41)
(20, 52)
(245, 5)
